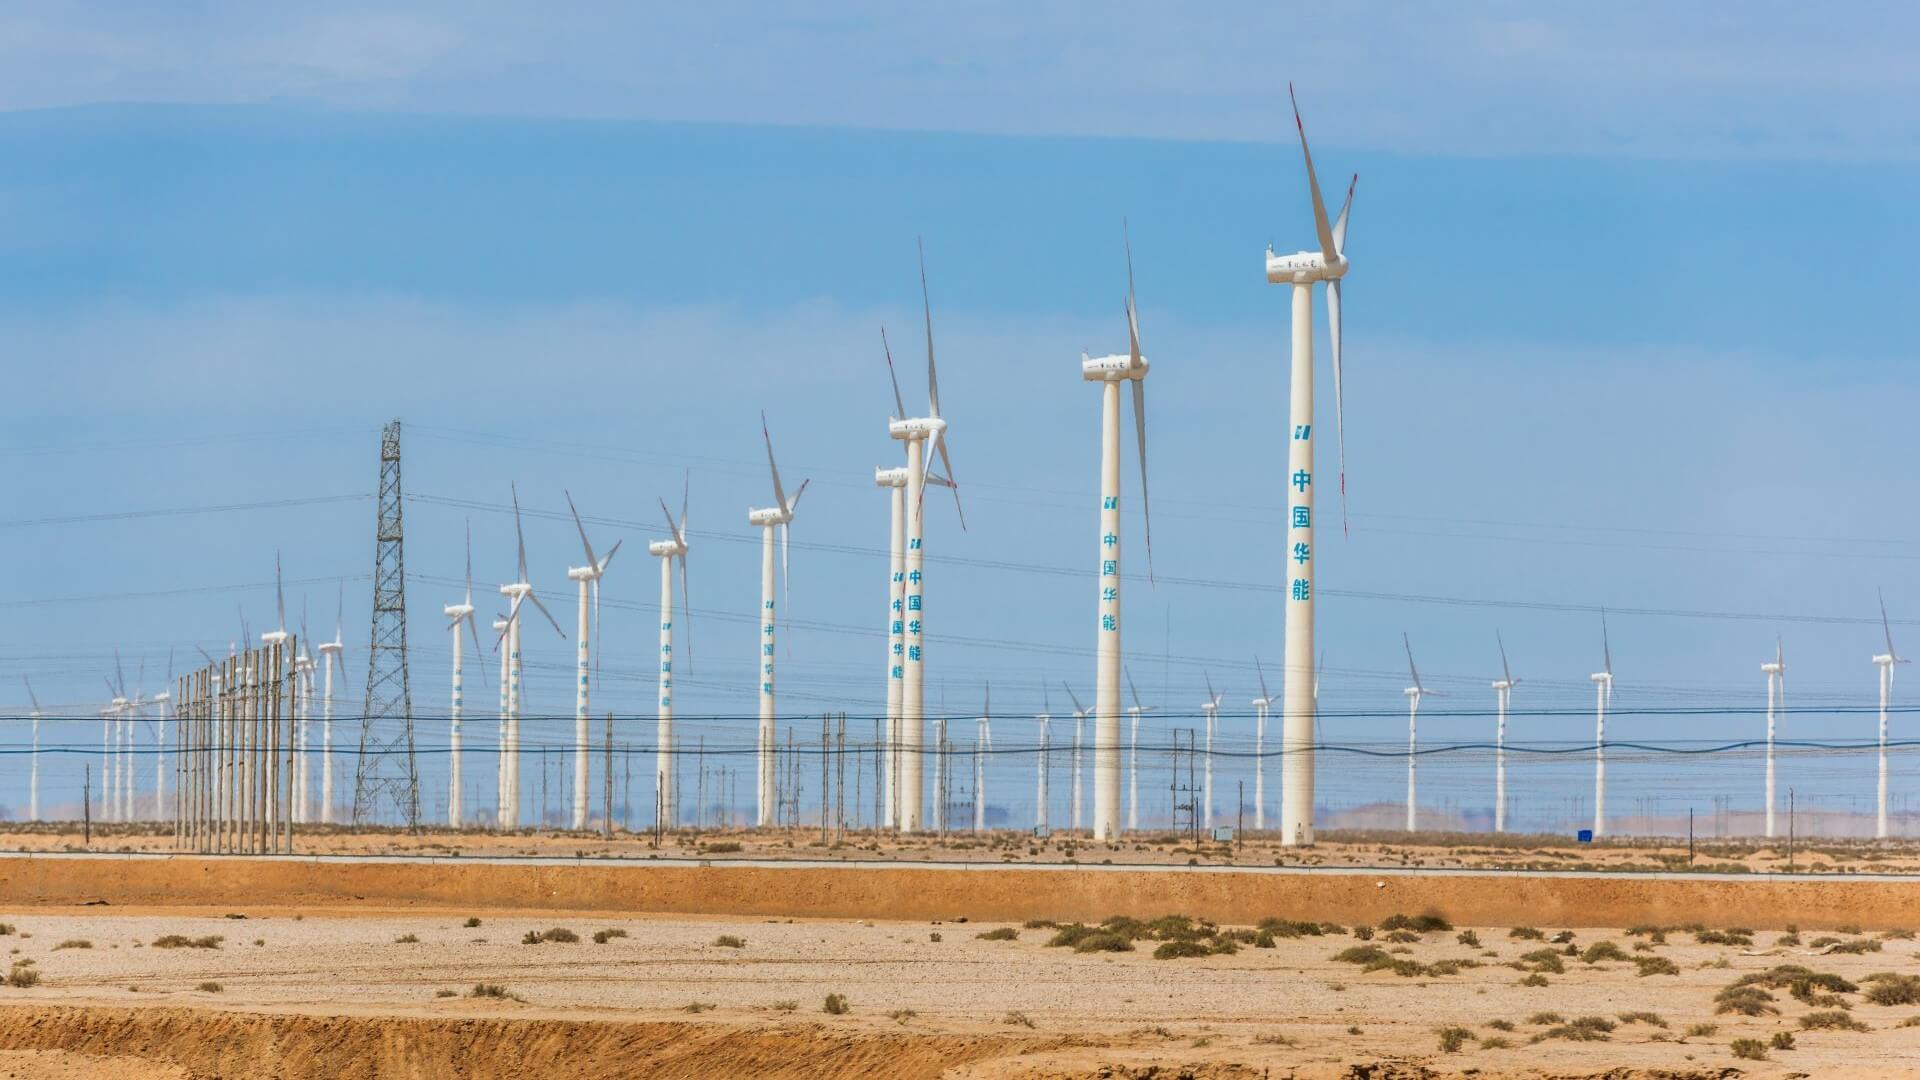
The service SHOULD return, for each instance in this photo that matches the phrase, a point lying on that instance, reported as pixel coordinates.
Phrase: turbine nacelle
(666, 549)
(456, 612)
(584, 573)
(917, 427)
(275, 637)
(1504, 684)
(327, 647)
(768, 516)
(895, 477)
(517, 591)
(1304, 267)
(1602, 677)
(1112, 368)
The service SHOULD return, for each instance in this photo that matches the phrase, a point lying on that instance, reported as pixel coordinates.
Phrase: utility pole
(606, 821)
(386, 771)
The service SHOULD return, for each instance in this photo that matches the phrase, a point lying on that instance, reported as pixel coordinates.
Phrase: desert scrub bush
(1745, 1000)
(730, 941)
(1562, 938)
(1419, 924)
(1831, 1020)
(1724, 937)
(210, 987)
(1787, 941)
(1603, 950)
(1017, 1018)
(558, 934)
(1782, 1040)
(1655, 965)
(1700, 1031)
(1468, 938)
(1542, 960)
(1856, 946)
(1101, 941)
(934, 936)
(74, 943)
(1362, 954)
(1896, 935)
(446, 993)
(901, 1016)
(494, 991)
(407, 939)
(181, 941)
(1275, 1040)
(698, 1007)
(836, 1005)
(1911, 1021)
(1004, 933)
(471, 922)
(1070, 935)
(1453, 1038)
(1495, 1042)
(601, 937)
(1363, 933)
(790, 1006)
(23, 975)
(1291, 928)
(1579, 1029)
(1500, 1025)
(1535, 979)
(7, 929)
(724, 847)
(1402, 937)
(1643, 1017)
(1175, 950)
(1749, 1049)
(1039, 924)
(1887, 988)
(1526, 933)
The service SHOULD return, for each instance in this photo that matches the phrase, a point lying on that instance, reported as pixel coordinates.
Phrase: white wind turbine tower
(456, 614)
(1602, 700)
(33, 775)
(332, 655)
(500, 628)
(778, 516)
(135, 712)
(1261, 705)
(983, 741)
(1041, 795)
(164, 701)
(1414, 693)
(1133, 760)
(1079, 730)
(1776, 673)
(1211, 711)
(589, 578)
(1503, 697)
(1885, 662)
(894, 480)
(111, 739)
(1110, 372)
(303, 667)
(667, 551)
(930, 430)
(1302, 270)
(518, 592)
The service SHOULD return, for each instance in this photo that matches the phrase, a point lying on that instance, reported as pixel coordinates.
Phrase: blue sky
(1624, 329)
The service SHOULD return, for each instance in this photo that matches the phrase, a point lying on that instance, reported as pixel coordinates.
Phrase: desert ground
(155, 993)
(999, 957)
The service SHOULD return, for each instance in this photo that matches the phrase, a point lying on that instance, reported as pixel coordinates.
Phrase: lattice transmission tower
(386, 772)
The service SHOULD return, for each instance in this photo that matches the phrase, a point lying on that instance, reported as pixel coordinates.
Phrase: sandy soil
(349, 997)
(1336, 849)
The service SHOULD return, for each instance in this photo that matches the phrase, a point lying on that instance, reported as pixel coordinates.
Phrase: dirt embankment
(209, 1043)
(905, 892)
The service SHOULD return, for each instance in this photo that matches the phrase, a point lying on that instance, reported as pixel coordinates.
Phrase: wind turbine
(500, 627)
(1885, 662)
(894, 481)
(110, 743)
(1302, 270)
(1041, 794)
(675, 547)
(1110, 372)
(1602, 699)
(164, 700)
(1133, 760)
(333, 655)
(588, 577)
(520, 591)
(777, 516)
(1211, 711)
(1261, 705)
(983, 741)
(1079, 726)
(456, 614)
(303, 668)
(33, 776)
(1414, 693)
(1502, 696)
(1776, 673)
(930, 430)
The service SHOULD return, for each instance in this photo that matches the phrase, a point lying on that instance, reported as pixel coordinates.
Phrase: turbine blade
(519, 535)
(1262, 673)
(608, 561)
(1140, 439)
(786, 590)
(1075, 698)
(672, 529)
(1414, 671)
(940, 443)
(543, 610)
(1132, 690)
(686, 487)
(279, 595)
(584, 542)
(1328, 247)
(479, 654)
(1606, 645)
(926, 306)
(779, 493)
(799, 491)
(1340, 223)
(598, 646)
(340, 601)
(1133, 312)
(686, 613)
(1504, 669)
(1339, 398)
(469, 600)
(1885, 625)
(899, 403)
